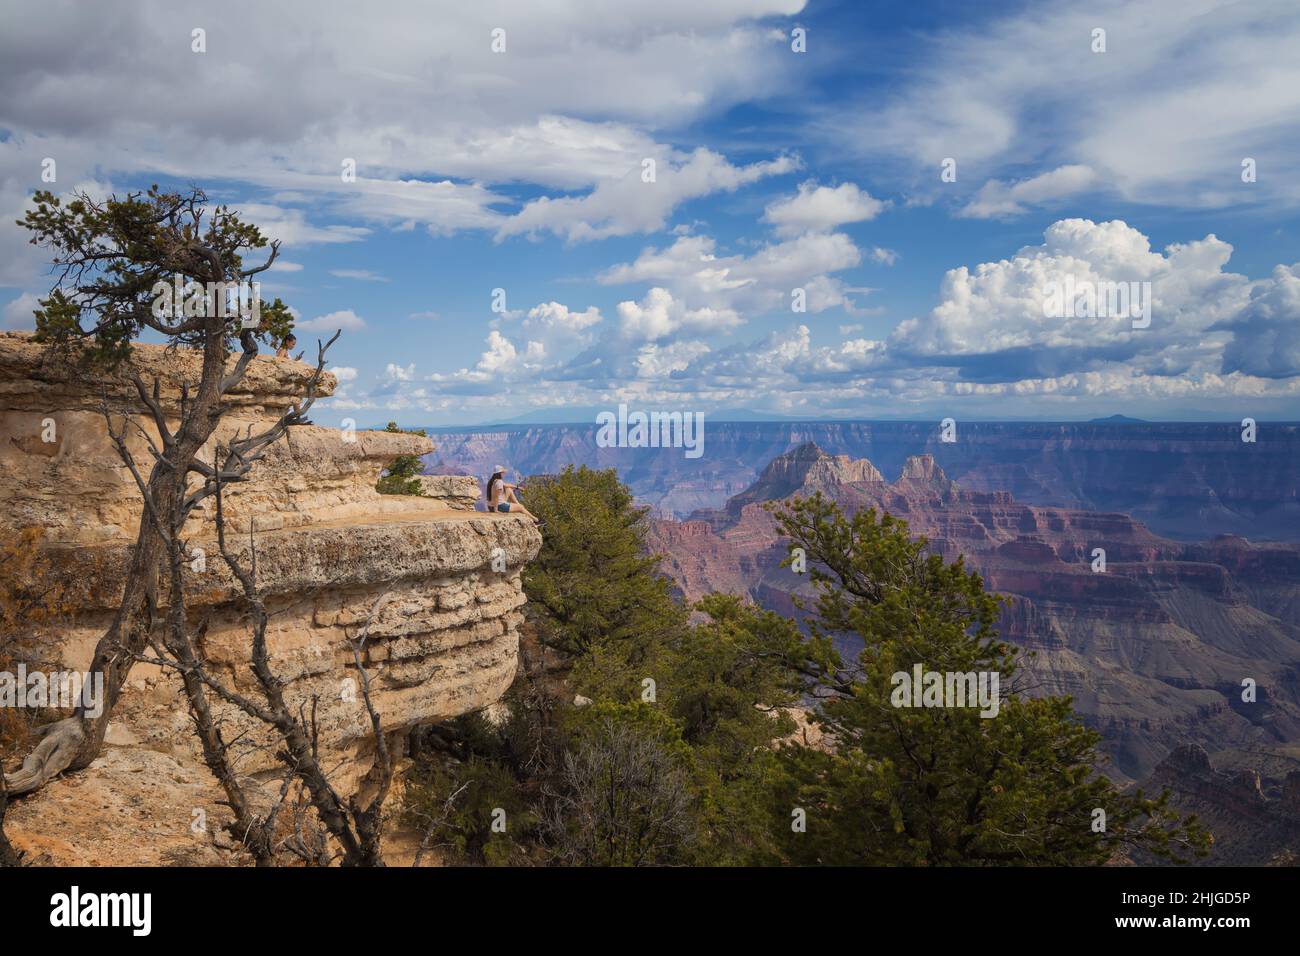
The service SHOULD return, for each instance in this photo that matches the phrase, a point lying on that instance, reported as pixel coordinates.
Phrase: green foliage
(705, 725)
(729, 683)
(720, 668)
(400, 478)
(593, 589)
(940, 785)
(715, 695)
(276, 322)
(470, 812)
(685, 753)
(110, 255)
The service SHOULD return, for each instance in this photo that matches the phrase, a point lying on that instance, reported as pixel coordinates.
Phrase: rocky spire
(804, 470)
(922, 468)
(923, 472)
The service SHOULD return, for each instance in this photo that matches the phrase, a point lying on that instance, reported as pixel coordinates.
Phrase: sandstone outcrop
(439, 584)
(458, 492)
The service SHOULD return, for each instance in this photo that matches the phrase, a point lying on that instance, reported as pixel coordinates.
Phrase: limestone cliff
(442, 582)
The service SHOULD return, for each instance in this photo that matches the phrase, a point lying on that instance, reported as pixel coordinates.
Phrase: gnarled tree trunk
(74, 742)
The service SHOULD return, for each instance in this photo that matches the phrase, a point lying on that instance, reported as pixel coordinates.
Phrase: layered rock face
(458, 492)
(1186, 480)
(1153, 649)
(1249, 826)
(436, 587)
(806, 469)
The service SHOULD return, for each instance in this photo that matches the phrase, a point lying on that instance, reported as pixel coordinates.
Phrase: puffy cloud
(659, 315)
(821, 208)
(17, 312)
(986, 347)
(553, 327)
(760, 282)
(659, 361)
(555, 317)
(396, 373)
(1266, 333)
(798, 259)
(828, 292)
(993, 320)
(502, 356)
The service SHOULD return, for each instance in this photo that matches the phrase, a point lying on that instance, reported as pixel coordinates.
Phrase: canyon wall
(1186, 480)
(437, 586)
(1153, 649)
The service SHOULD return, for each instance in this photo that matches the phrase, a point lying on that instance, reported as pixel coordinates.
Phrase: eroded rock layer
(436, 587)
(1153, 646)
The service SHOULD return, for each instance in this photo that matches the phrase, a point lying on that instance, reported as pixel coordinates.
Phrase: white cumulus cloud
(821, 208)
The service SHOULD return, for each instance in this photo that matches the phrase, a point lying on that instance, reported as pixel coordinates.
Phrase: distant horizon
(1116, 420)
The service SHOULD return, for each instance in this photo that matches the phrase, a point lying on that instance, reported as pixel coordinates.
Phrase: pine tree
(593, 590)
(940, 785)
(400, 477)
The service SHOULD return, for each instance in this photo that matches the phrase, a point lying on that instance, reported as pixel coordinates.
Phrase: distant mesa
(1141, 647)
(1118, 420)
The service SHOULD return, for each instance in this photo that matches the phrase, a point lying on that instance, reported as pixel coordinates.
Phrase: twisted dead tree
(354, 824)
(110, 257)
(232, 463)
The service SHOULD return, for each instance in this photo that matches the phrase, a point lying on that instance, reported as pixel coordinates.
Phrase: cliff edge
(440, 585)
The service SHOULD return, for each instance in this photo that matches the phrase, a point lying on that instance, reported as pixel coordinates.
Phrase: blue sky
(775, 170)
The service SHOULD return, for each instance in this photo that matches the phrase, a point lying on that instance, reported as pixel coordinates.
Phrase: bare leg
(517, 505)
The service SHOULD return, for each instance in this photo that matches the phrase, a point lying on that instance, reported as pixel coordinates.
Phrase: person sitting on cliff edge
(501, 495)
